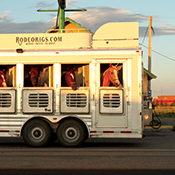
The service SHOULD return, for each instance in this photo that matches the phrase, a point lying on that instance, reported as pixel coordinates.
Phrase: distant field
(165, 111)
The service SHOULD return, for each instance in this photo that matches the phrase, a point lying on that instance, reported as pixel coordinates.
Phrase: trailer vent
(76, 100)
(5, 100)
(111, 100)
(38, 100)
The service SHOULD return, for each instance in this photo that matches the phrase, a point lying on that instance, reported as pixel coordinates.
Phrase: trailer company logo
(38, 40)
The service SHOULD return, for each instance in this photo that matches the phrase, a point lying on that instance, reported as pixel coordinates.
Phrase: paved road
(153, 154)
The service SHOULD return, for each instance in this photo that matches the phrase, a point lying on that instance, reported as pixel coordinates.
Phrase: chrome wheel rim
(71, 133)
(36, 133)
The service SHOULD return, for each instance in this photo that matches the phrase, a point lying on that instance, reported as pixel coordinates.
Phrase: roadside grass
(165, 111)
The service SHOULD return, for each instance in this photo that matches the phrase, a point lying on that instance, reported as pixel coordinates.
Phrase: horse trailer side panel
(37, 101)
(111, 107)
(136, 93)
(7, 100)
(74, 101)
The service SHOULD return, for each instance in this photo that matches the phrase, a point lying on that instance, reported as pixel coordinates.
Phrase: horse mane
(106, 81)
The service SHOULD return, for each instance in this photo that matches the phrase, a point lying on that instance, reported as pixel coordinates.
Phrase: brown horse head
(111, 75)
(70, 78)
(34, 74)
(3, 79)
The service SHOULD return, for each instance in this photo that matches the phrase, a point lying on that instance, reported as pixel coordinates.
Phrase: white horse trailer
(39, 114)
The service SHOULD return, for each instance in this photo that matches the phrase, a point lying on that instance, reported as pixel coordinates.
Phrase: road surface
(153, 154)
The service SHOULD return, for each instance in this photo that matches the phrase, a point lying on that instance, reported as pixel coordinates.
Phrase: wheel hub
(37, 133)
(71, 133)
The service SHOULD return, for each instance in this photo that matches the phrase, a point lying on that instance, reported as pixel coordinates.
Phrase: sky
(21, 16)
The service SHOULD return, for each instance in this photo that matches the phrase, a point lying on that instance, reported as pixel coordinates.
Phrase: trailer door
(111, 100)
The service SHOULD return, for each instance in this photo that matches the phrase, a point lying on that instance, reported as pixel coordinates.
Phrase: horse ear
(3, 70)
(119, 67)
(116, 65)
(74, 69)
(68, 69)
(110, 65)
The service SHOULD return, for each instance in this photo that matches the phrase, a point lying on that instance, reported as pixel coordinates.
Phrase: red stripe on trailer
(4, 130)
(108, 131)
(112, 132)
(17, 131)
(126, 131)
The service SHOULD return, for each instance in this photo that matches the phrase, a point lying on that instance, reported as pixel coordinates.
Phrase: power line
(73, 5)
(145, 35)
(159, 53)
(44, 5)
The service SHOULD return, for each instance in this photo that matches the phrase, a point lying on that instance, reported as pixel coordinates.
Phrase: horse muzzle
(73, 86)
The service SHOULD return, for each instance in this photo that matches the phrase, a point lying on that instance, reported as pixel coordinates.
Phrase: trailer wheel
(71, 133)
(37, 133)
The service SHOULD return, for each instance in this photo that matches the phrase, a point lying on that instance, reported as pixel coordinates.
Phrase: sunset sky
(21, 16)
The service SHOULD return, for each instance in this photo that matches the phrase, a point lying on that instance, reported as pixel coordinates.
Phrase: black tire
(37, 133)
(71, 133)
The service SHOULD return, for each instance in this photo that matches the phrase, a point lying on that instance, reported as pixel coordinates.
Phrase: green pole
(62, 19)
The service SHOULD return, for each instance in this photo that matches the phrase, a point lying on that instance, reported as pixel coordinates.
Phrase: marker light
(146, 117)
(19, 50)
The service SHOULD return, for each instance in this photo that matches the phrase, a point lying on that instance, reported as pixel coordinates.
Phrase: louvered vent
(111, 100)
(5, 100)
(76, 100)
(39, 100)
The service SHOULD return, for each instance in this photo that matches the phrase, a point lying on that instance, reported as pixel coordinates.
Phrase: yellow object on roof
(71, 26)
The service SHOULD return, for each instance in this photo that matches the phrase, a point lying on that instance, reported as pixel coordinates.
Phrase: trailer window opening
(111, 74)
(38, 75)
(79, 74)
(7, 75)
